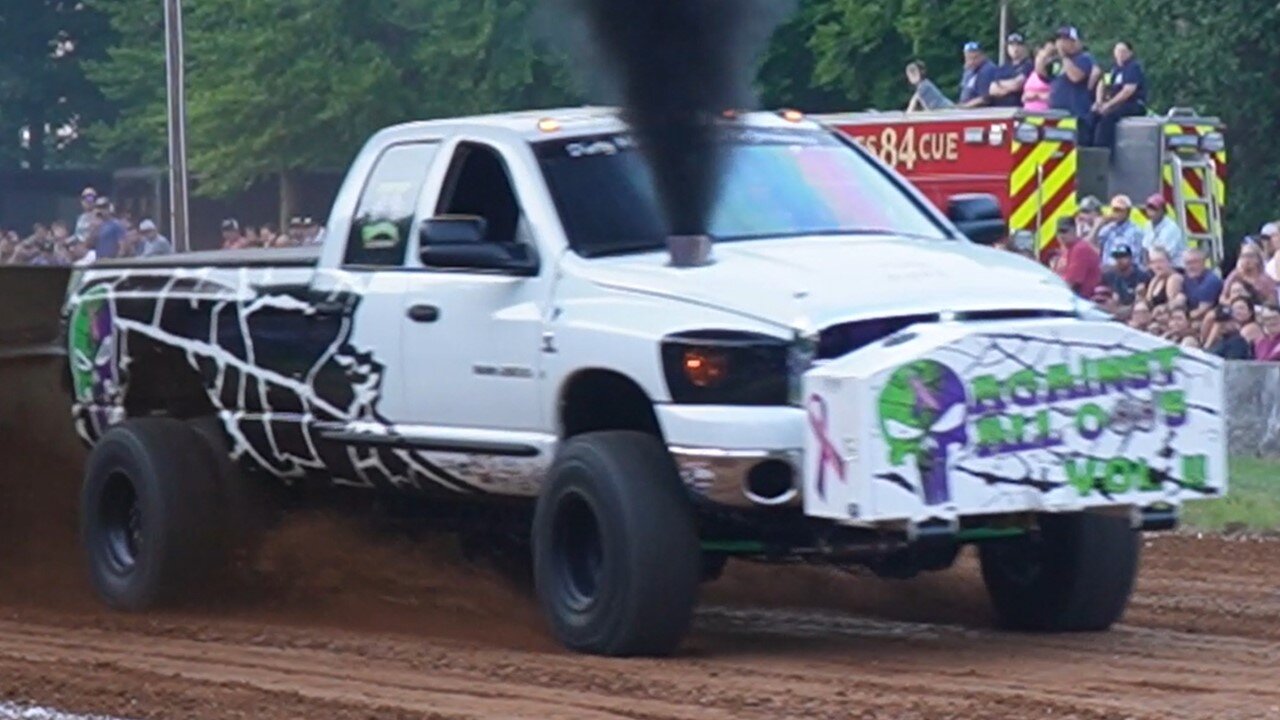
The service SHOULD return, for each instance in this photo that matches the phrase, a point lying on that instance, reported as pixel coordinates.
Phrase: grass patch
(1252, 501)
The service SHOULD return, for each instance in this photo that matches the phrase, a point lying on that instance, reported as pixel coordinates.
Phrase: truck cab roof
(535, 125)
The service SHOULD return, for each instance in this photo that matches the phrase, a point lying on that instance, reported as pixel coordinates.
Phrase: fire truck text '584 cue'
(1030, 162)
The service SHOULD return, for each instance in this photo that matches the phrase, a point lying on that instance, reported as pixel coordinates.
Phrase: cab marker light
(548, 125)
(1026, 133)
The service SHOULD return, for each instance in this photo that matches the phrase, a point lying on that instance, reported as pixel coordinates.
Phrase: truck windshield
(776, 184)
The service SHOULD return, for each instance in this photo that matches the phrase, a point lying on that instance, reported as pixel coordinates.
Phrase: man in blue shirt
(1120, 231)
(979, 73)
(1006, 91)
(1069, 90)
(1121, 94)
(1201, 285)
(110, 233)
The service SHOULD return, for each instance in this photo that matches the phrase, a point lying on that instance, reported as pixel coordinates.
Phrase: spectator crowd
(1153, 280)
(99, 232)
(1059, 74)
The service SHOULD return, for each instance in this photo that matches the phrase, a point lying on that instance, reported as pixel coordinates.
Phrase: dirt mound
(954, 596)
(319, 568)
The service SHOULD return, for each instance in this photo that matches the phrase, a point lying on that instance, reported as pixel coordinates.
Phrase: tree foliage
(292, 84)
(45, 97)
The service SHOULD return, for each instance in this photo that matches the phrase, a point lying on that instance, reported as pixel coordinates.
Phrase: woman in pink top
(1035, 91)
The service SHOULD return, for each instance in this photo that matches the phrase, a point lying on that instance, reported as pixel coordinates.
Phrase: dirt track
(340, 624)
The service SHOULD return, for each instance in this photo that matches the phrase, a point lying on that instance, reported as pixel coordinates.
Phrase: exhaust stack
(689, 251)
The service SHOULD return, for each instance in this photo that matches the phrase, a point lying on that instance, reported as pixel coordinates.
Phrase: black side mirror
(457, 242)
(978, 216)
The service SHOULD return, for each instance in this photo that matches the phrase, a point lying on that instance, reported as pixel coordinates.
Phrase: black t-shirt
(1125, 286)
(1232, 347)
(1128, 74)
(1008, 71)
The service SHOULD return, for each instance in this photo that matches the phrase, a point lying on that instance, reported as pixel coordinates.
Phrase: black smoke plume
(676, 66)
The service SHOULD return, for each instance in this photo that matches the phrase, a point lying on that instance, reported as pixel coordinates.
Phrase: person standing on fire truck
(979, 73)
(1069, 90)
(1006, 91)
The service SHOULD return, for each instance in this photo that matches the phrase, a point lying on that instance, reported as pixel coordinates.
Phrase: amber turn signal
(705, 367)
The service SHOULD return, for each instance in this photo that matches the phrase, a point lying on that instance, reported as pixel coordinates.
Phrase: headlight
(726, 367)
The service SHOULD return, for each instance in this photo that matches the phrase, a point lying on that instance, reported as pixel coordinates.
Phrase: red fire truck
(1030, 161)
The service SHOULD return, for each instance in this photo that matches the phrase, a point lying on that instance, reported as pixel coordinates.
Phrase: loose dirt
(337, 620)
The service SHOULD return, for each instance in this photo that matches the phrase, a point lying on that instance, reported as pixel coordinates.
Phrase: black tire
(1075, 577)
(150, 514)
(617, 561)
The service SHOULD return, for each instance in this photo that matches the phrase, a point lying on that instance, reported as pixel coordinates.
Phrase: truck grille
(840, 340)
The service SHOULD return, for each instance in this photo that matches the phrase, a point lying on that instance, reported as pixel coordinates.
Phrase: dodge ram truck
(497, 318)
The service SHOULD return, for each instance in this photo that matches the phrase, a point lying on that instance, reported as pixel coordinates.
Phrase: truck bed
(307, 256)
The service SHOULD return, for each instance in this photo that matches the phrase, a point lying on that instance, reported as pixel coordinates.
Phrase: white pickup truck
(497, 320)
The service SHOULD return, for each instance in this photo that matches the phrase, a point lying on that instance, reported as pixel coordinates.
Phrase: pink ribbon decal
(827, 453)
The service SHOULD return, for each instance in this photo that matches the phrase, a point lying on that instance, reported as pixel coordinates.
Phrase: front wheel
(1075, 576)
(617, 560)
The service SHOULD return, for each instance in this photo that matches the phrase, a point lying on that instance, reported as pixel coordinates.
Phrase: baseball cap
(1121, 202)
(295, 221)
(1155, 201)
(1015, 39)
(1069, 32)
(146, 225)
(1269, 229)
(1090, 204)
(230, 224)
(972, 46)
(1122, 251)
(102, 203)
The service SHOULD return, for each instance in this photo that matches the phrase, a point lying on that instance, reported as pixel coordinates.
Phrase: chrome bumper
(724, 477)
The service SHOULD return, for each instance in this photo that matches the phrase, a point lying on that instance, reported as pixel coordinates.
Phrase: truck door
(471, 339)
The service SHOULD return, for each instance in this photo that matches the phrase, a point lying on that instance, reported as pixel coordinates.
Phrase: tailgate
(948, 420)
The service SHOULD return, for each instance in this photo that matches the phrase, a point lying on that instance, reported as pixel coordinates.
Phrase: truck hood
(808, 283)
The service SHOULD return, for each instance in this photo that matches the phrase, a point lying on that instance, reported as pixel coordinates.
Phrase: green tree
(45, 98)
(278, 87)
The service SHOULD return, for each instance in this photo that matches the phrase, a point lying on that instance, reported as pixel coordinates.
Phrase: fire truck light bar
(1057, 134)
(1026, 133)
(1184, 142)
(1213, 142)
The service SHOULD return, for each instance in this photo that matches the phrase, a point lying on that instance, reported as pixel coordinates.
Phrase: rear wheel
(1076, 575)
(151, 513)
(616, 556)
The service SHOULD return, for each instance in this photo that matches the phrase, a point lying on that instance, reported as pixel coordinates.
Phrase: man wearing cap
(1120, 230)
(88, 218)
(1089, 219)
(153, 243)
(979, 73)
(1080, 268)
(1164, 232)
(1006, 91)
(111, 232)
(1069, 90)
(1124, 277)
